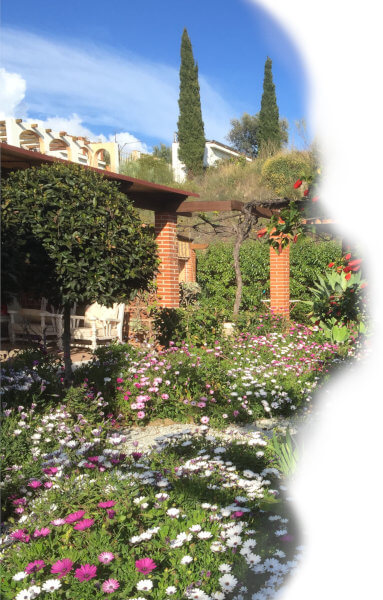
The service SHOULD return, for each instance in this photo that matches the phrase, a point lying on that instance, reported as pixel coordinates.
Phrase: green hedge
(216, 276)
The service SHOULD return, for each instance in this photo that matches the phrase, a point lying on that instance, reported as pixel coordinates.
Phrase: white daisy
(170, 590)
(51, 585)
(173, 512)
(218, 595)
(186, 560)
(23, 595)
(19, 576)
(144, 585)
(204, 535)
(228, 582)
(224, 568)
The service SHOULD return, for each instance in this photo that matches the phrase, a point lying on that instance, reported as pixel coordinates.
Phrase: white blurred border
(337, 492)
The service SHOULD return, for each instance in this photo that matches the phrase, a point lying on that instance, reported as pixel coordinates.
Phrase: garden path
(141, 439)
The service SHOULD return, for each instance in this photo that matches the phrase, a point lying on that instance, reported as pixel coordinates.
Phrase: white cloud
(104, 88)
(12, 92)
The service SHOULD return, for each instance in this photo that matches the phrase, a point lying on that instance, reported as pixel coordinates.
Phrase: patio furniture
(32, 324)
(98, 325)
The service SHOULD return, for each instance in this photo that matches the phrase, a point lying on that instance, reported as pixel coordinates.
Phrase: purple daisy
(84, 524)
(76, 516)
(62, 567)
(86, 572)
(34, 566)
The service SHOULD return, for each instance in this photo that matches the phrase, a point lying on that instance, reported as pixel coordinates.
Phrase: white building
(214, 151)
(33, 135)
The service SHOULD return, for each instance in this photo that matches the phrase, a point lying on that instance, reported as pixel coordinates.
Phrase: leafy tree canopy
(244, 135)
(163, 152)
(71, 236)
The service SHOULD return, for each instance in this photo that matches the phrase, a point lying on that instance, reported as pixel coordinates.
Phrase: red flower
(363, 285)
(348, 256)
(295, 238)
(306, 192)
(355, 262)
(330, 265)
(297, 184)
(348, 276)
(315, 199)
(262, 232)
(346, 269)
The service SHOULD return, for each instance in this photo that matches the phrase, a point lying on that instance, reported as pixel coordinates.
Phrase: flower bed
(184, 521)
(197, 516)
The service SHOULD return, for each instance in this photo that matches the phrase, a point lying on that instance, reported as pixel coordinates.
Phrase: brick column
(191, 267)
(167, 278)
(280, 281)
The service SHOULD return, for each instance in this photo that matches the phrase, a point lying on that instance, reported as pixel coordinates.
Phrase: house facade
(33, 136)
(214, 152)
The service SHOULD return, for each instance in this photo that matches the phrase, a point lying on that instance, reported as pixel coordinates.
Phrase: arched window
(102, 158)
(29, 140)
(59, 148)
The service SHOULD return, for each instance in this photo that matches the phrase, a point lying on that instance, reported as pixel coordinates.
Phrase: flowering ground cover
(187, 520)
(197, 517)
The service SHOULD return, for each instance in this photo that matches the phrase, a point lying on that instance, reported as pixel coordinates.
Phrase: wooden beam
(34, 125)
(62, 133)
(18, 121)
(199, 246)
(48, 130)
(213, 206)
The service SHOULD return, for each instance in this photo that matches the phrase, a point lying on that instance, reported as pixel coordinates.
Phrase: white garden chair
(98, 325)
(29, 324)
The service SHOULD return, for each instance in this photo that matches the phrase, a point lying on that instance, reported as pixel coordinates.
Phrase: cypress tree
(269, 127)
(191, 135)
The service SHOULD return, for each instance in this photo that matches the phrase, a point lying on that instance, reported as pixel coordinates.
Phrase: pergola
(167, 204)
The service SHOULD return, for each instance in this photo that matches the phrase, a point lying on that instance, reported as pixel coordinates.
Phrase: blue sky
(97, 68)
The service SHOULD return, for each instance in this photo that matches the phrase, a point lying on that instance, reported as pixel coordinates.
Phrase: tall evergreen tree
(269, 133)
(191, 135)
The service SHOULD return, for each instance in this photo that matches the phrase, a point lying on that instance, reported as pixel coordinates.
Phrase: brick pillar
(167, 278)
(191, 267)
(280, 281)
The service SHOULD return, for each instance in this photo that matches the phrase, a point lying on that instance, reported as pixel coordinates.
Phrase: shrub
(282, 170)
(216, 276)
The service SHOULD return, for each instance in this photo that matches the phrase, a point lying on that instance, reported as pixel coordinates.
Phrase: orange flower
(261, 232)
(348, 256)
(348, 276)
(331, 265)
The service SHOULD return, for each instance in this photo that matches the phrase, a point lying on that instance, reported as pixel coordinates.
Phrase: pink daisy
(145, 565)
(205, 420)
(84, 524)
(140, 414)
(107, 504)
(62, 567)
(106, 557)
(86, 572)
(35, 484)
(76, 516)
(57, 522)
(43, 532)
(35, 566)
(110, 585)
(20, 535)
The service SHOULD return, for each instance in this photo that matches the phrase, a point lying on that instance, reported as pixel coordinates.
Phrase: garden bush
(216, 276)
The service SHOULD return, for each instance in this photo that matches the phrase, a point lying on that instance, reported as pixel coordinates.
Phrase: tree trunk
(243, 230)
(238, 274)
(68, 377)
